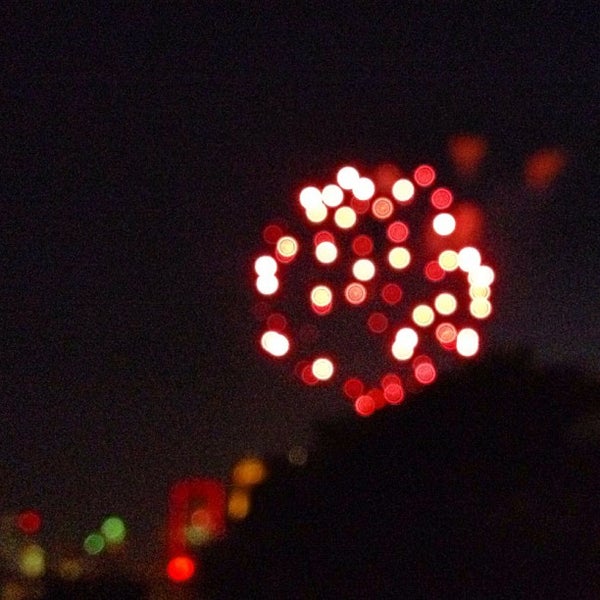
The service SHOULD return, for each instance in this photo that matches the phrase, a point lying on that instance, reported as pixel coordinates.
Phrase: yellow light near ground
(479, 291)
(321, 296)
(275, 343)
(399, 257)
(445, 303)
(423, 315)
(326, 252)
(332, 195)
(238, 504)
(407, 336)
(363, 189)
(448, 260)
(401, 352)
(322, 369)
(363, 269)
(403, 190)
(467, 342)
(480, 308)
(382, 208)
(249, 471)
(444, 224)
(347, 177)
(345, 217)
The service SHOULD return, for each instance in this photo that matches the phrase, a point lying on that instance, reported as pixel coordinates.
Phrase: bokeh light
(181, 568)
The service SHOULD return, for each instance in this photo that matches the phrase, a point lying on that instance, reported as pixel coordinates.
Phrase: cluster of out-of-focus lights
(372, 275)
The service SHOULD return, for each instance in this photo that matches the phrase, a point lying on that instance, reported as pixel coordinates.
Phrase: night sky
(144, 150)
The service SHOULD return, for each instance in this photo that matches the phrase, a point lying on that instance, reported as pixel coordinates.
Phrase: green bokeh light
(114, 530)
(94, 543)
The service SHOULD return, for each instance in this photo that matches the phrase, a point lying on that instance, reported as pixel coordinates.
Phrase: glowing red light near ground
(181, 569)
(29, 522)
(376, 254)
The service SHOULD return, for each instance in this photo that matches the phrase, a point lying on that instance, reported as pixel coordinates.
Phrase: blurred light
(267, 285)
(287, 248)
(467, 342)
(347, 177)
(423, 315)
(322, 369)
(391, 293)
(238, 504)
(362, 245)
(377, 322)
(393, 393)
(271, 233)
(277, 322)
(444, 224)
(364, 188)
(407, 337)
(397, 232)
(448, 260)
(445, 303)
(399, 257)
(353, 387)
(265, 265)
(32, 561)
(249, 471)
(446, 333)
(479, 291)
(363, 269)
(275, 343)
(94, 544)
(403, 190)
(360, 207)
(321, 296)
(181, 569)
(355, 293)
(332, 195)
(70, 569)
(197, 535)
(113, 529)
(316, 213)
(29, 522)
(424, 175)
(441, 198)
(481, 276)
(433, 271)
(326, 252)
(468, 258)
(364, 405)
(480, 308)
(467, 151)
(382, 208)
(310, 197)
(543, 167)
(297, 456)
(323, 236)
(424, 371)
(344, 217)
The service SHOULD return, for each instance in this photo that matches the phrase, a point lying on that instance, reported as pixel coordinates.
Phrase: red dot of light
(424, 371)
(307, 375)
(360, 207)
(424, 175)
(323, 236)
(378, 398)
(441, 198)
(271, 233)
(362, 245)
(397, 231)
(377, 322)
(433, 271)
(389, 379)
(353, 387)
(277, 322)
(181, 568)
(29, 522)
(364, 405)
(391, 293)
(393, 393)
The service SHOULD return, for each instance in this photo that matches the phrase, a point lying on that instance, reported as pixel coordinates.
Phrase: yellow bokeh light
(265, 265)
(321, 296)
(316, 213)
(249, 471)
(399, 257)
(363, 269)
(448, 260)
(238, 504)
(403, 190)
(322, 369)
(287, 246)
(444, 224)
(363, 189)
(347, 177)
(275, 343)
(445, 303)
(326, 252)
(469, 258)
(332, 195)
(467, 342)
(423, 315)
(345, 217)
(480, 308)
(267, 284)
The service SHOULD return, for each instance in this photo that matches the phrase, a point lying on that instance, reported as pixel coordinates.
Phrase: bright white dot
(265, 265)
(316, 213)
(267, 284)
(469, 258)
(444, 224)
(347, 177)
(363, 189)
(399, 257)
(363, 269)
(344, 217)
(310, 196)
(448, 260)
(326, 252)
(481, 276)
(445, 303)
(467, 342)
(275, 343)
(322, 369)
(332, 195)
(403, 190)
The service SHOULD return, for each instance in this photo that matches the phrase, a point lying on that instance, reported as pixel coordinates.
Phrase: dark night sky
(144, 150)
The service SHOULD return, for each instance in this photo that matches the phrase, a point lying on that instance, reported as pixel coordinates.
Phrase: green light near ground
(94, 544)
(113, 529)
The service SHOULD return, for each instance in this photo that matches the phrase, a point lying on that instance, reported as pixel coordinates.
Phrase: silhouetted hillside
(486, 485)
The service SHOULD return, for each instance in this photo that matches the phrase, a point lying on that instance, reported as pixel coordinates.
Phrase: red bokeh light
(391, 293)
(424, 175)
(271, 233)
(353, 387)
(181, 569)
(441, 198)
(362, 245)
(377, 322)
(29, 522)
